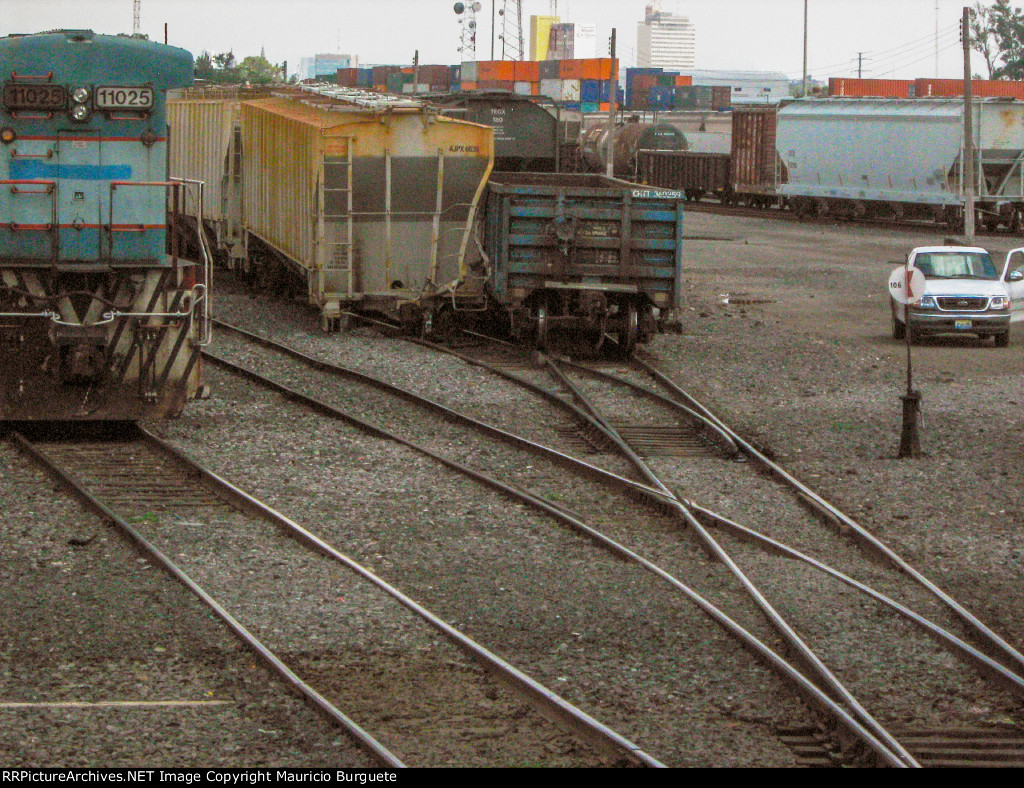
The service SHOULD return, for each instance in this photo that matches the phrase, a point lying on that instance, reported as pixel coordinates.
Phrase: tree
(997, 33)
(223, 69)
(258, 71)
(983, 37)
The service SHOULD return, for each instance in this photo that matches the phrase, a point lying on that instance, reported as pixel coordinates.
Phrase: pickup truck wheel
(899, 331)
(1003, 340)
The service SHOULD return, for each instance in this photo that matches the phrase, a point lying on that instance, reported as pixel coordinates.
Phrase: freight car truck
(585, 253)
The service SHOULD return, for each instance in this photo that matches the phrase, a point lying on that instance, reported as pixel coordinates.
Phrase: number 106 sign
(906, 289)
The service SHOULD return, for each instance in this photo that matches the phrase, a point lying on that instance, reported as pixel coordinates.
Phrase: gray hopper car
(902, 158)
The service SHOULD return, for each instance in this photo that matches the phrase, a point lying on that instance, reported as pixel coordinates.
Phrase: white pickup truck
(964, 293)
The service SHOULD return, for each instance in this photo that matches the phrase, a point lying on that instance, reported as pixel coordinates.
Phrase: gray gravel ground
(810, 374)
(94, 623)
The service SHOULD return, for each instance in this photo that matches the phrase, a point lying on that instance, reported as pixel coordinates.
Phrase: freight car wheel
(540, 317)
(629, 334)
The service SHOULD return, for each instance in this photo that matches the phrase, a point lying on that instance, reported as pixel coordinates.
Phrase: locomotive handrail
(113, 227)
(51, 185)
(198, 293)
(51, 189)
(48, 76)
(206, 318)
(47, 313)
(16, 155)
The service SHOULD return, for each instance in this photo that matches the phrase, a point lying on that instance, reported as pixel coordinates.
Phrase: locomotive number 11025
(119, 97)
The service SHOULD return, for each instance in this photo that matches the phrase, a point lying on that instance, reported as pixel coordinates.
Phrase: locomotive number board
(123, 97)
(18, 95)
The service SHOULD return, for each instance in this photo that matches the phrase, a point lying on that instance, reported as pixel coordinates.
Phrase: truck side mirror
(1015, 276)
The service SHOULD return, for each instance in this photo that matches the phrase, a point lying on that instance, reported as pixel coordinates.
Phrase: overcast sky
(897, 38)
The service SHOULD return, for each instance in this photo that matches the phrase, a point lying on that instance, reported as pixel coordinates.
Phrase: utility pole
(137, 18)
(967, 166)
(613, 90)
(805, 49)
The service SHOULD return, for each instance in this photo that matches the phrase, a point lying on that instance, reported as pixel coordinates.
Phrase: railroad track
(168, 505)
(712, 437)
(1005, 668)
(775, 214)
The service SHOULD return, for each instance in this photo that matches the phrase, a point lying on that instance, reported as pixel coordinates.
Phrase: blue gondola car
(98, 319)
(585, 253)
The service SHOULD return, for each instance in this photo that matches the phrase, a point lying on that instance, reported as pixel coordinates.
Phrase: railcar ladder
(337, 241)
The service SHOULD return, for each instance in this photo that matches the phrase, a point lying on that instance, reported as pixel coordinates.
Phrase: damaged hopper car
(97, 320)
(369, 200)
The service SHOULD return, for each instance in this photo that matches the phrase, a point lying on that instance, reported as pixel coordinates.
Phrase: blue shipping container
(662, 97)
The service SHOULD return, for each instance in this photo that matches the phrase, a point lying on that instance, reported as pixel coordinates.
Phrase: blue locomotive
(99, 317)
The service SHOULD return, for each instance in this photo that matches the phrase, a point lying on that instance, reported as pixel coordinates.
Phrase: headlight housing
(80, 112)
(999, 302)
(927, 302)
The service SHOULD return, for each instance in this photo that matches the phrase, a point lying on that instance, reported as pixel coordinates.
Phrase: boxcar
(97, 320)
(586, 253)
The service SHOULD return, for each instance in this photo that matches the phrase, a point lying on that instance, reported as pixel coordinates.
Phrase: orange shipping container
(884, 88)
(527, 71)
(982, 88)
(684, 81)
(470, 86)
(599, 69)
(495, 71)
(571, 69)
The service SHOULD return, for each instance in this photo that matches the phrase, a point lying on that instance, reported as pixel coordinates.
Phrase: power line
(929, 56)
(910, 50)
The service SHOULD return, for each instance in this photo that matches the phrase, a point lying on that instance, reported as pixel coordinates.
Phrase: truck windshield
(956, 265)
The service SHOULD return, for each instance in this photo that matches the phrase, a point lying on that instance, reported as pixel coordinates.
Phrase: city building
(664, 40)
(325, 65)
(748, 87)
(540, 32)
(572, 41)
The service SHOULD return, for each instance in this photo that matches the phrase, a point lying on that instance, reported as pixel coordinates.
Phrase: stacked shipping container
(657, 89)
(981, 88)
(583, 85)
(922, 88)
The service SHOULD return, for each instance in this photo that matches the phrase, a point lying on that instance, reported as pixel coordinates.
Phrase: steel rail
(778, 622)
(699, 418)
(993, 669)
(548, 703)
(606, 476)
(983, 662)
(71, 483)
(810, 691)
(846, 524)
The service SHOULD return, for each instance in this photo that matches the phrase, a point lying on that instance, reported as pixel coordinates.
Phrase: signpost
(907, 285)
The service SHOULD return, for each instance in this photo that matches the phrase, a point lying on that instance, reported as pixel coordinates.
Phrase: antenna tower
(136, 17)
(467, 28)
(512, 45)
